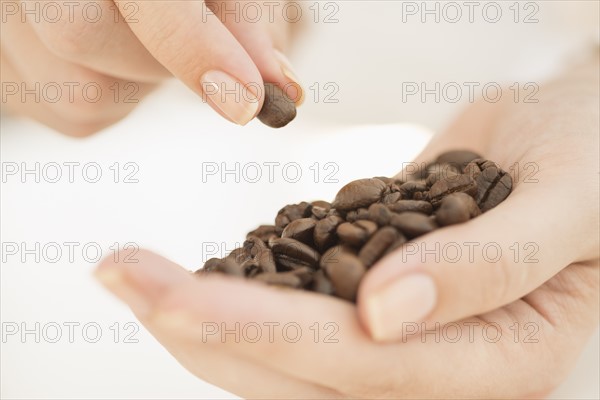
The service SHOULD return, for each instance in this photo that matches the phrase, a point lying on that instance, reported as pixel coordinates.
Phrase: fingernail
(230, 96)
(407, 300)
(296, 93)
(114, 280)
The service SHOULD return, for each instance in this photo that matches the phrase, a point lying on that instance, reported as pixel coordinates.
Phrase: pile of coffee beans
(328, 247)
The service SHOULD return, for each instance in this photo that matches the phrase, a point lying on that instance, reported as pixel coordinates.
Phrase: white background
(368, 53)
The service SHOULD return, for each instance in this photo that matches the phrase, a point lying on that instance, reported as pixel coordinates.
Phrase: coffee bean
(305, 274)
(413, 190)
(357, 233)
(396, 244)
(412, 224)
(441, 171)
(377, 245)
(291, 254)
(230, 267)
(210, 265)
(493, 184)
(278, 109)
(392, 197)
(345, 273)
(290, 213)
(379, 214)
(264, 232)
(455, 209)
(324, 232)
(321, 284)
(457, 158)
(421, 206)
(300, 229)
(452, 184)
(359, 193)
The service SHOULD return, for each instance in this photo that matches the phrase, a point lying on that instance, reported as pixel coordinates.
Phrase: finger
(264, 35)
(66, 96)
(482, 350)
(150, 278)
(199, 50)
(97, 36)
(472, 268)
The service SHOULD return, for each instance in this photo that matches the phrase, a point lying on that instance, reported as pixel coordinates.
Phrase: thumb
(465, 270)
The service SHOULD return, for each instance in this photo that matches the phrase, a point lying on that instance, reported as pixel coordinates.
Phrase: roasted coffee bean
(290, 213)
(321, 283)
(279, 279)
(455, 209)
(291, 254)
(493, 184)
(264, 232)
(457, 158)
(421, 206)
(359, 193)
(392, 197)
(379, 214)
(238, 255)
(305, 274)
(278, 109)
(396, 244)
(345, 274)
(377, 245)
(441, 173)
(301, 229)
(356, 233)
(413, 190)
(324, 232)
(359, 214)
(319, 212)
(453, 184)
(412, 224)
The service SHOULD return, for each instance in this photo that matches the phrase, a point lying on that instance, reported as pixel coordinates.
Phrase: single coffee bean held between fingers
(278, 110)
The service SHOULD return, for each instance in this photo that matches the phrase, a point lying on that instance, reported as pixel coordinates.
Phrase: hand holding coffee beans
(328, 247)
(278, 109)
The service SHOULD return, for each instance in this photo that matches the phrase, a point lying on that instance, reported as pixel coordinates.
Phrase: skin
(134, 53)
(557, 297)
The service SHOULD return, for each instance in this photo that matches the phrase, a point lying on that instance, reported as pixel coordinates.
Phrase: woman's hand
(79, 67)
(509, 328)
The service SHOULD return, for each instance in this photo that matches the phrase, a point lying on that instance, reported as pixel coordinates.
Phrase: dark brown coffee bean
(413, 224)
(421, 206)
(301, 229)
(278, 110)
(264, 232)
(321, 203)
(305, 274)
(377, 245)
(493, 184)
(413, 190)
(321, 283)
(442, 171)
(238, 255)
(285, 279)
(452, 184)
(319, 212)
(357, 233)
(345, 273)
(324, 233)
(359, 193)
(457, 158)
(455, 209)
(290, 213)
(379, 214)
(291, 254)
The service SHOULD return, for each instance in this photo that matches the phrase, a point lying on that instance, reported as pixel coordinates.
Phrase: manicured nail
(114, 280)
(407, 300)
(230, 96)
(295, 92)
